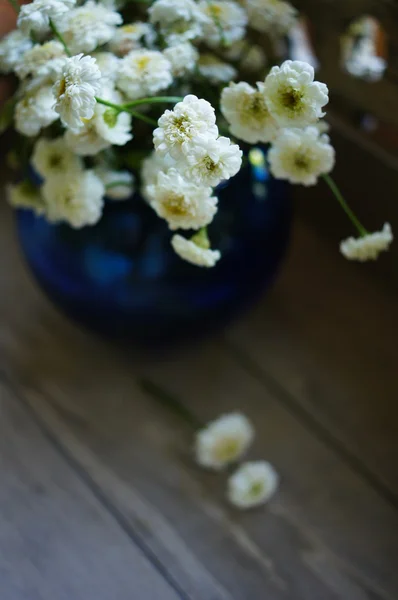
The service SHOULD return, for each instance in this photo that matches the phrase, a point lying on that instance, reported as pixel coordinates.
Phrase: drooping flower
(223, 441)
(36, 15)
(143, 73)
(252, 484)
(25, 195)
(301, 155)
(180, 129)
(179, 20)
(34, 111)
(131, 37)
(225, 24)
(182, 58)
(293, 98)
(88, 26)
(246, 111)
(212, 161)
(274, 17)
(53, 157)
(182, 204)
(77, 200)
(37, 60)
(75, 90)
(12, 48)
(195, 251)
(215, 70)
(369, 246)
(119, 185)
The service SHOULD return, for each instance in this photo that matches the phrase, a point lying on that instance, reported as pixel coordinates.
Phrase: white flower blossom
(223, 441)
(108, 64)
(119, 185)
(274, 17)
(12, 48)
(365, 63)
(88, 26)
(25, 195)
(179, 20)
(143, 73)
(226, 22)
(77, 200)
(182, 204)
(215, 70)
(293, 98)
(36, 15)
(369, 246)
(75, 90)
(212, 161)
(154, 164)
(180, 129)
(252, 484)
(37, 60)
(301, 155)
(53, 157)
(194, 252)
(254, 59)
(246, 111)
(34, 111)
(182, 58)
(131, 37)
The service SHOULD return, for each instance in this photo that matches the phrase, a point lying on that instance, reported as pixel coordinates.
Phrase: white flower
(301, 155)
(25, 195)
(179, 20)
(194, 252)
(35, 61)
(88, 26)
(75, 90)
(293, 98)
(36, 15)
(254, 59)
(365, 63)
(78, 200)
(108, 64)
(180, 129)
(212, 161)
(246, 111)
(144, 73)
(226, 22)
(119, 185)
(12, 48)
(252, 484)
(182, 204)
(274, 17)
(52, 157)
(154, 164)
(131, 37)
(34, 111)
(215, 70)
(223, 441)
(182, 58)
(369, 246)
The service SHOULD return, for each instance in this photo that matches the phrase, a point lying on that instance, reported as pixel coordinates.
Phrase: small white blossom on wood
(223, 441)
(253, 484)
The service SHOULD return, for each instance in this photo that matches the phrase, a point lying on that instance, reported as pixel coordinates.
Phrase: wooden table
(100, 498)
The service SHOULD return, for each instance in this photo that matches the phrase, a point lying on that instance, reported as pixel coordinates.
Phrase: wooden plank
(327, 336)
(57, 540)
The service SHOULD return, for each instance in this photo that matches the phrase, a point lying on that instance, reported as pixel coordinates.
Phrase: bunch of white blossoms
(190, 159)
(224, 442)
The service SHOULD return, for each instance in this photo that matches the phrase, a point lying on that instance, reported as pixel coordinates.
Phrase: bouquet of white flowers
(95, 76)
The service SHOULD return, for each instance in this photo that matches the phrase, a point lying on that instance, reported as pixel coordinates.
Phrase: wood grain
(57, 540)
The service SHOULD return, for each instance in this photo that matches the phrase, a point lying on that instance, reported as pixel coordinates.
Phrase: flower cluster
(91, 80)
(224, 442)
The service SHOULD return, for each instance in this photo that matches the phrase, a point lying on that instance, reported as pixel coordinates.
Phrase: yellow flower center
(226, 449)
(142, 62)
(175, 204)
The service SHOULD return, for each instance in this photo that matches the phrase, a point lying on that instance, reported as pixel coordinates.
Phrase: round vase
(122, 279)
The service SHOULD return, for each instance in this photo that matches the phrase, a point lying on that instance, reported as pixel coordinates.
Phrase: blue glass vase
(122, 279)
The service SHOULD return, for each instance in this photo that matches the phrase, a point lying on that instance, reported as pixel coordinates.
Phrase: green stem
(143, 118)
(15, 5)
(59, 37)
(117, 107)
(154, 100)
(124, 108)
(339, 197)
(116, 184)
